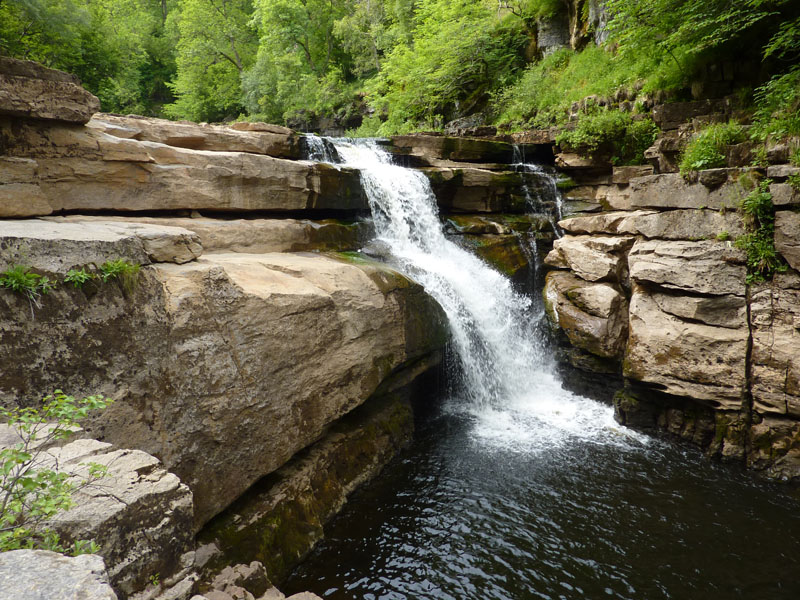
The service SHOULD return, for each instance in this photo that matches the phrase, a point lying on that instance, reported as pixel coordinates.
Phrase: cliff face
(649, 287)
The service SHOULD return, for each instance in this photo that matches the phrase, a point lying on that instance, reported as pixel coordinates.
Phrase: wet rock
(271, 140)
(27, 89)
(508, 254)
(43, 575)
(702, 267)
(594, 316)
(668, 225)
(774, 446)
(56, 245)
(470, 190)
(685, 358)
(593, 258)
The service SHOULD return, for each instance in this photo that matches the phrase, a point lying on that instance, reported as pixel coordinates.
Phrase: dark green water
(460, 517)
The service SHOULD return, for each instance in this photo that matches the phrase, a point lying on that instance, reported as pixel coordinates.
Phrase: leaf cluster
(611, 133)
(30, 492)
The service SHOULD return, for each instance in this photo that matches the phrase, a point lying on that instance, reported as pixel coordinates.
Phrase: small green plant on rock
(794, 181)
(78, 277)
(706, 150)
(613, 133)
(21, 280)
(126, 272)
(30, 492)
(763, 261)
(723, 236)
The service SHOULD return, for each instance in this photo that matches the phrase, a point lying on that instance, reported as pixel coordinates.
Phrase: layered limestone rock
(280, 142)
(43, 575)
(669, 225)
(787, 237)
(267, 348)
(471, 190)
(27, 89)
(671, 190)
(78, 168)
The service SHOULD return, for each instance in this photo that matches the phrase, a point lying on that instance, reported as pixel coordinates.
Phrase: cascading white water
(508, 381)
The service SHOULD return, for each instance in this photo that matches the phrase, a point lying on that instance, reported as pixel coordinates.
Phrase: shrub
(777, 107)
(614, 133)
(706, 150)
(31, 494)
(759, 242)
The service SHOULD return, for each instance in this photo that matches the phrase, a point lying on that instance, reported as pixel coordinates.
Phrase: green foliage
(126, 272)
(759, 242)
(23, 281)
(78, 277)
(795, 157)
(31, 493)
(612, 133)
(706, 150)
(461, 53)
(777, 105)
(723, 236)
(794, 181)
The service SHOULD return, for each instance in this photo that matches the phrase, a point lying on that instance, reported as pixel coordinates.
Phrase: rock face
(269, 347)
(30, 90)
(283, 516)
(427, 147)
(42, 575)
(593, 258)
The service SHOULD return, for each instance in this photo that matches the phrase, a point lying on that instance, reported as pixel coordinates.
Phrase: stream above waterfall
(517, 488)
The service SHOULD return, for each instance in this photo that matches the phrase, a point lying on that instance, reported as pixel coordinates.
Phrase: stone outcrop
(667, 225)
(671, 190)
(593, 258)
(43, 575)
(27, 89)
(471, 190)
(426, 147)
(266, 347)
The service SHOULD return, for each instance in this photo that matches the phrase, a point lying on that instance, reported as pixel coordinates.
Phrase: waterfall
(507, 379)
(546, 195)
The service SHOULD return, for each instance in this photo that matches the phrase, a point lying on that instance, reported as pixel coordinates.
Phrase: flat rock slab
(667, 225)
(473, 190)
(671, 190)
(43, 575)
(57, 245)
(701, 267)
(27, 89)
(256, 236)
(279, 141)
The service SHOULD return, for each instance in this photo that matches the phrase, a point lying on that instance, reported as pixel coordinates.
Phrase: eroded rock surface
(43, 575)
(593, 258)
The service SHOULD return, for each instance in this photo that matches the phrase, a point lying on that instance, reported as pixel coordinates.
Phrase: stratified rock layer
(43, 575)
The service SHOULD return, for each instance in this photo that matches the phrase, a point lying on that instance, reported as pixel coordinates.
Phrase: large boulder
(27, 89)
(279, 141)
(83, 169)
(43, 575)
(594, 316)
(226, 366)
